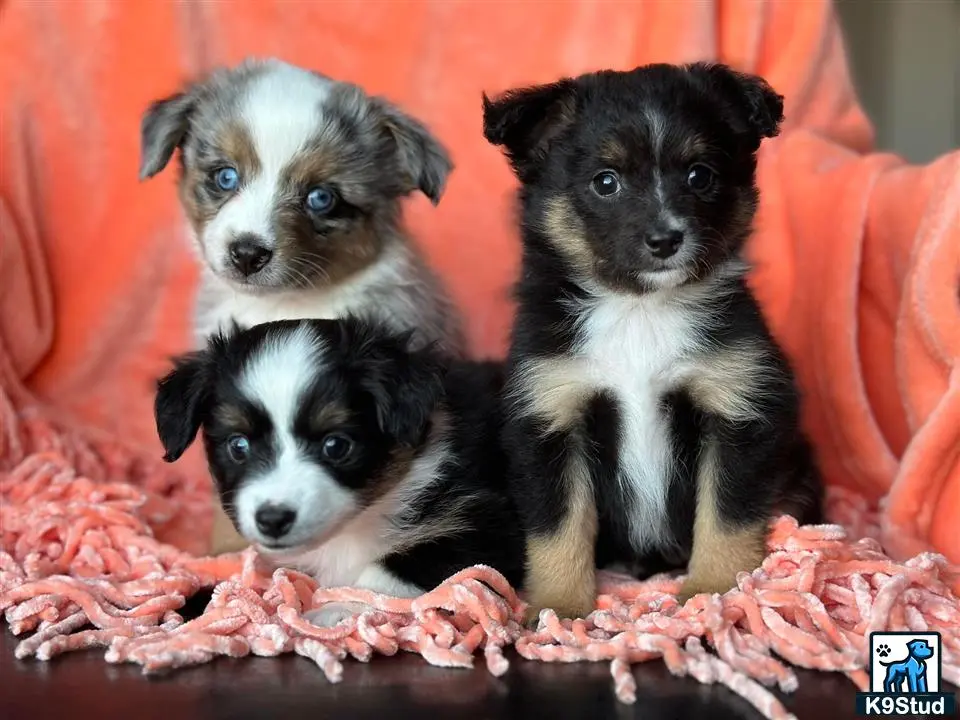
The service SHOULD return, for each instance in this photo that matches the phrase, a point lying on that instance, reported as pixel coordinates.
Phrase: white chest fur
(640, 348)
(220, 305)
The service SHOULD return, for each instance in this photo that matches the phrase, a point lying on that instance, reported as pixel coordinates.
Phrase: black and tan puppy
(654, 419)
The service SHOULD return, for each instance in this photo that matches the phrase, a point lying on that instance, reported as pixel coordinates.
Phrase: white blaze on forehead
(277, 374)
(281, 110)
(657, 124)
(278, 377)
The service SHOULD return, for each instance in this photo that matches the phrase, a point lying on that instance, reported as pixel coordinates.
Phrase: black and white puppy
(653, 419)
(342, 452)
(292, 183)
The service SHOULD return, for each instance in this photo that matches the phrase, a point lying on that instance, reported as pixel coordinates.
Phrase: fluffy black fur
(387, 399)
(677, 145)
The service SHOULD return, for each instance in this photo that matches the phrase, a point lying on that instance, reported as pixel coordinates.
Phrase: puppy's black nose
(664, 243)
(249, 256)
(274, 520)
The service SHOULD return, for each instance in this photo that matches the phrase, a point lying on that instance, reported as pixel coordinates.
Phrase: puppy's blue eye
(606, 183)
(700, 177)
(321, 200)
(227, 179)
(337, 447)
(238, 447)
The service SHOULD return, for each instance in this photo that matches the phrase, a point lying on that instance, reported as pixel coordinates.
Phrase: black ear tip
(771, 114)
(763, 104)
(493, 118)
(778, 104)
(488, 104)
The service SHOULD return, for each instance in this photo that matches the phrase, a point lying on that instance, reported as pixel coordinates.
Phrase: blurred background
(905, 59)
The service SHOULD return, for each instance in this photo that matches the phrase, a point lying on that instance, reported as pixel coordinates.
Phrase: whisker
(311, 267)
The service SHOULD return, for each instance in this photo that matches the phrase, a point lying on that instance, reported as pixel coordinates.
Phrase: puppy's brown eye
(238, 448)
(606, 183)
(337, 447)
(700, 178)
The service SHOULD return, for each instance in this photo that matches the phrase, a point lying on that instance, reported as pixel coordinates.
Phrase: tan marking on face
(393, 473)
(720, 551)
(352, 250)
(224, 537)
(693, 148)
(342, 246)
(346, 247)
(233, 417)
(613, 153)
(729, 382)
(237, 147)
(566, 231)
(561, 572)
(200, 209)
(329, 417)
(555, 390)
(308, 169)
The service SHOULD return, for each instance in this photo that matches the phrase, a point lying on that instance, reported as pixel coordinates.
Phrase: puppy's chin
(647, 274)
(664, 279)
(646, 280)
(251, 286)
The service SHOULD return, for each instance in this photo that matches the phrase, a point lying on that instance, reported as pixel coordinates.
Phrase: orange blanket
(858, 255)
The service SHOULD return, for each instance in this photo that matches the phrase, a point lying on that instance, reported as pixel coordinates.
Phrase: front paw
(566, 608)
(333, 614)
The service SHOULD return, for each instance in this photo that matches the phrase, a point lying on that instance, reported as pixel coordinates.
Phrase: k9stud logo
(905, 674)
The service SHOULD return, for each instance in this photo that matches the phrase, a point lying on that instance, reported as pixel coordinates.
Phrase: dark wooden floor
(401, 687)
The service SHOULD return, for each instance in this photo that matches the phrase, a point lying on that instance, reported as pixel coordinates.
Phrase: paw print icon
(883, 650)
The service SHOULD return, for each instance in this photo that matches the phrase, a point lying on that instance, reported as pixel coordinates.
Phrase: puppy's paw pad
(332, 614)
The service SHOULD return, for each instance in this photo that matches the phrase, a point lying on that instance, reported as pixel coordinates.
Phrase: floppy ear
(414, 388)
(405, 385)
(759, 105)
(524, 121)
(764, 105)
(421, 156)
(162, 130)
(179, 404)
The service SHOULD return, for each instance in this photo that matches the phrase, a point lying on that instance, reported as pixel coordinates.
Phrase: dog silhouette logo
(905, 662)
(910, 673)
(905, 672)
